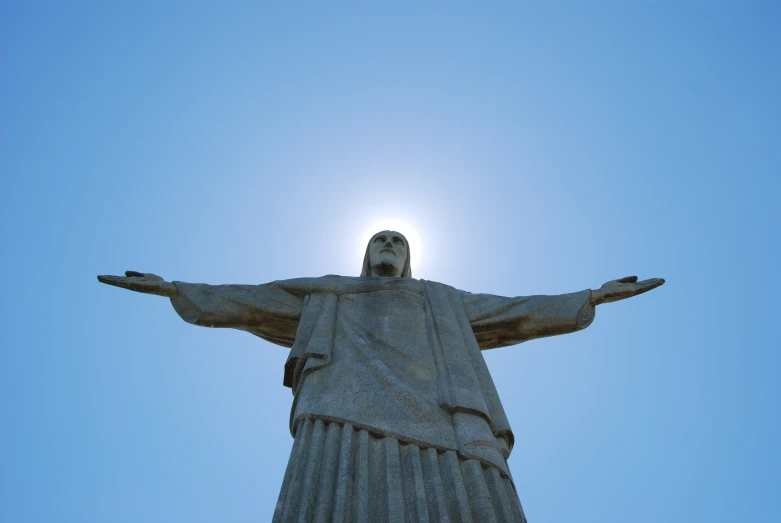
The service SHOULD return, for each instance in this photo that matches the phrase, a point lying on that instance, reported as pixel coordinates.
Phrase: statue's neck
(385, 271)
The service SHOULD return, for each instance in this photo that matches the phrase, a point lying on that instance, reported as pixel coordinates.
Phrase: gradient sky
(534, 149)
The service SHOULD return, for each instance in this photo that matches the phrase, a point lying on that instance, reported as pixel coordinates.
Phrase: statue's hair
(366, 270)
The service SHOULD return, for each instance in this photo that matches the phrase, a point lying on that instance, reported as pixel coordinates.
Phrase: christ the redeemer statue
(395, 416)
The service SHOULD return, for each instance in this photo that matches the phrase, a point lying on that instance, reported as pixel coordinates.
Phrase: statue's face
(387, 254)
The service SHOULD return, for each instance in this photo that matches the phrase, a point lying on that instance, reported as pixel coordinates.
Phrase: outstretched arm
(269, 310)
(498, 321)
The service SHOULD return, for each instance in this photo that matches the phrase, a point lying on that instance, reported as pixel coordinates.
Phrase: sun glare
(393, 224)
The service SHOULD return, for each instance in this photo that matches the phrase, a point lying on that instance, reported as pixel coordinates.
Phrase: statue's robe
(395, 415)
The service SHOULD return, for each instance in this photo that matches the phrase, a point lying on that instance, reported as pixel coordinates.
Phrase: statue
(395, 417)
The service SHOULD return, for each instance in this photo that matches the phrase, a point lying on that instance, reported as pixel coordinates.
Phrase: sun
(395, 224)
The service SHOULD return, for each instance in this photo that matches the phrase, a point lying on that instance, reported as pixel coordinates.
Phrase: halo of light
(394, 224)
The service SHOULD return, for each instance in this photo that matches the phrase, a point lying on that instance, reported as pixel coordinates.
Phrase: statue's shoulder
(337, 284)
(317, 279)
(441, 287)
(330, 283)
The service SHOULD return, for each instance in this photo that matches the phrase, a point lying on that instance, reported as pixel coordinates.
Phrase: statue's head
(387, 255)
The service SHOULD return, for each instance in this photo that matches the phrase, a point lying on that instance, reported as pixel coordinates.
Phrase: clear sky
(534, 149)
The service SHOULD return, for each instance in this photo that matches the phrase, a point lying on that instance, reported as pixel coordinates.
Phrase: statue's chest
(388, 325)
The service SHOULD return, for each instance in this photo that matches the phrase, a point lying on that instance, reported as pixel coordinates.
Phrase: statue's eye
(397, 240)
(379, 239)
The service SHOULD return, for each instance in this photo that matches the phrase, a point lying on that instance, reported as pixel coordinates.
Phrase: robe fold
(395, 357)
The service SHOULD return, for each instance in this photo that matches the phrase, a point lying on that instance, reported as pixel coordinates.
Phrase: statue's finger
(134, 274)
(628, 279)
(117, 281)
(647, 286)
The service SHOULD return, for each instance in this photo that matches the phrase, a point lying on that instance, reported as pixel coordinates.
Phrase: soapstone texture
(395, 416)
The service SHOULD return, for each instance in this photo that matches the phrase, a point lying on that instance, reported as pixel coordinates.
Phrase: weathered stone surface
(389, 382)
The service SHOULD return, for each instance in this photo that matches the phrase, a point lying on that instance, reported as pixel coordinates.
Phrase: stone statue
(395, 417)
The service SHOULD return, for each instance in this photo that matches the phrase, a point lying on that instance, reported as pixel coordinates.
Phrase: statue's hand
(624, 288)
(141, 282)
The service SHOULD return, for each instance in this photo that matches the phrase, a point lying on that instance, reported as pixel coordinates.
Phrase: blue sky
(534, 149)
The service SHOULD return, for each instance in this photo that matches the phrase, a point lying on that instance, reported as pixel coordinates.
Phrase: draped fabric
(478, 427)
(340, 474)
(395, 416)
